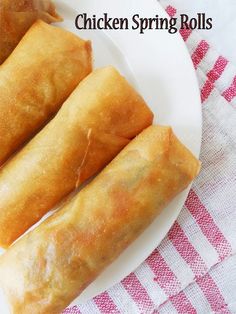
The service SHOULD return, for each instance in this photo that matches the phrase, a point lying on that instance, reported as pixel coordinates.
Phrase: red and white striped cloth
(194, 268)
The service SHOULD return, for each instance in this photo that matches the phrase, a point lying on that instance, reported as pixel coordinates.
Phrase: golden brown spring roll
(46, 6)
(48, 268)
(16, 17)
(36, 79)
(94, 124)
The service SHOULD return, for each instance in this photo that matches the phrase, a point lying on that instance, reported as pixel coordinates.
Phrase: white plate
(158, 64)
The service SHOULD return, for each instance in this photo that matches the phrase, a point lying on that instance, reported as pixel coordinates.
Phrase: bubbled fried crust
(58, 259)
(17, 16)
(28, 6)
(99, 118)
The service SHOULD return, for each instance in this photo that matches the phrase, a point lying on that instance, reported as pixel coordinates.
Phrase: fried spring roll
(45, 270)
(36, 79)
(16, 17)
(46, 6)
(94, 124)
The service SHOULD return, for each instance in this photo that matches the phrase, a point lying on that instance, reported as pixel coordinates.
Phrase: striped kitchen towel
(194, 268)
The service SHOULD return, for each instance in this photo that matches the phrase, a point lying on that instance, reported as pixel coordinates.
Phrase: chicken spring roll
(36, 79)
(48, 268)
(46, 6)
(16, 17)
(94, 124)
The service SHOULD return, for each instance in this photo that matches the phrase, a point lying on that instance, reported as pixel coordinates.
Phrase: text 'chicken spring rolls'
(36, 79)
(16, 17)
(94, 124)
(45, 270)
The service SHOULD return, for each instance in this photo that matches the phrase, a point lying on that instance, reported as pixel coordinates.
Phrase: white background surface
(223, 34)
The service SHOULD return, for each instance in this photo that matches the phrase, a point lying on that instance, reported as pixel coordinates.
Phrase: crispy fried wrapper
(48, 268)
(36, 79)
(16, 17)
(99, 118)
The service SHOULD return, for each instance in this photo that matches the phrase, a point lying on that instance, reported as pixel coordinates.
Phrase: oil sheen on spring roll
(93, 125)
(68, 251)
(16, 17)
(36, 79)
